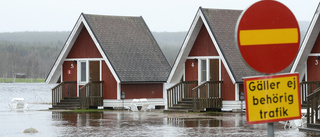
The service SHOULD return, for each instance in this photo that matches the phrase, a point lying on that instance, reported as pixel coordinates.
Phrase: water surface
(117, 123)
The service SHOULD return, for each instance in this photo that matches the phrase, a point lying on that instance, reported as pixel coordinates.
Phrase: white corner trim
(127, 102)
(236, 92)
(314, 54)
(305, 72)
(118, 90)
(61, 74)
(100, 69)
(220, 68)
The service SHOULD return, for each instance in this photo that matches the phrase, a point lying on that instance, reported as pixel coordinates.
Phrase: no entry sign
(268, 36)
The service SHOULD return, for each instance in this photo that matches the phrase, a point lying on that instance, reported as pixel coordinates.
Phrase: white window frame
(207, 58)
(202, 70)
(79, 72)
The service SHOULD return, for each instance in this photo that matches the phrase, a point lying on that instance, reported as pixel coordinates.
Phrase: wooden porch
(310, 99)
(188, 96)
(64, 95)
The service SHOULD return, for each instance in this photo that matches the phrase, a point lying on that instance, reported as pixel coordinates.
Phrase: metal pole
(270, 125)
(270, 130)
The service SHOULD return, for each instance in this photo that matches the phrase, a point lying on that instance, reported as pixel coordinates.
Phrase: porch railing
(308, 87)
(91, 95)
(63, 90)
(313, 102)
(179, 91)
(207, 95)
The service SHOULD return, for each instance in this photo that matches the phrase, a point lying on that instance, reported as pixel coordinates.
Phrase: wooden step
(177, 110)
(183, 106)
(311, 128)
(68, 104)
(316, 126)
(64, 108)
(188, 99)
(185, 102)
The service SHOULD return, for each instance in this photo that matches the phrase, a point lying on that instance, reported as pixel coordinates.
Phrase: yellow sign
(272, 98)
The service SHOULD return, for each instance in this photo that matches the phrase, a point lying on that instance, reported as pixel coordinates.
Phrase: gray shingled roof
(223, 23)
(130, 47)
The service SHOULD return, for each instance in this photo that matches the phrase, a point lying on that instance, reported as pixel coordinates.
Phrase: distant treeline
(34, 53)
(170, 43)
(34, 59)
(28, 38)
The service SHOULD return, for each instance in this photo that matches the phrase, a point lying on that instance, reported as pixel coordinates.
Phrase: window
(83, 72)
(203, 70)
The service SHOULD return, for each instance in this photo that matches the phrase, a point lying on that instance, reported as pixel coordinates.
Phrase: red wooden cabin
(209, 64)
(110, 54)
(307, 64)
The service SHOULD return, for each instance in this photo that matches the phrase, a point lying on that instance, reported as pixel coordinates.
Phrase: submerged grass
(22, 80)
(86, 110)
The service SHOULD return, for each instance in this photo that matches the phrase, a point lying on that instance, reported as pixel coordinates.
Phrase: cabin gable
(84, 47)
(203, 46)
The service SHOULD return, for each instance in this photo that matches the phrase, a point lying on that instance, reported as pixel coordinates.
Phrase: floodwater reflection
(117, 123)
(122, 123)
(194, 122)
(108, 123)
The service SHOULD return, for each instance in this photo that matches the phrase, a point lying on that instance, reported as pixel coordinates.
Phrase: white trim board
(118, 102)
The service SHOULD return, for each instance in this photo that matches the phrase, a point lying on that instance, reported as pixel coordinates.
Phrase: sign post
(268, 38)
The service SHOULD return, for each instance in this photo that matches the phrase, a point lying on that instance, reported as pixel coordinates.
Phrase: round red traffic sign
(268, 36)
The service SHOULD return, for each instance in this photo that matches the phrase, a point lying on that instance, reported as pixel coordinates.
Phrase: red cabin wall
(69, 73)
(191, 73)
(110, 83)
(228, 88)
(203, 46)
(316, 46)
(145, 90)
(84, 47)
(313, 68)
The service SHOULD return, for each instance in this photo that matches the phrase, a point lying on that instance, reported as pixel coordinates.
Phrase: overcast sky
(160, 15)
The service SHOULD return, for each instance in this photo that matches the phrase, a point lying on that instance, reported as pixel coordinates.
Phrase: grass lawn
(22, 80)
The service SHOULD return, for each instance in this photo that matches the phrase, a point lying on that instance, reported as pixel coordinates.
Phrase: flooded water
(117, 123)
